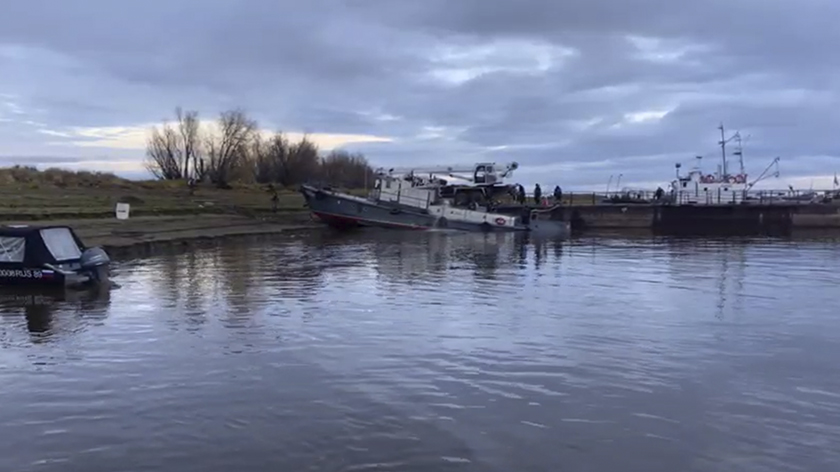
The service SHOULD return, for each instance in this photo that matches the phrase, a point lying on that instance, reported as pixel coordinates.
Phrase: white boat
(720, 187)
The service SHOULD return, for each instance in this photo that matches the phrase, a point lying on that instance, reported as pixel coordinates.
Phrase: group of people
(521, 197)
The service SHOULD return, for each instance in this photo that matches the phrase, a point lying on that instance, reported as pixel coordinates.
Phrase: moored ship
(430, 198)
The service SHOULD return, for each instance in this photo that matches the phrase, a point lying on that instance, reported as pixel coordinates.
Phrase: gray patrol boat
(447, 197)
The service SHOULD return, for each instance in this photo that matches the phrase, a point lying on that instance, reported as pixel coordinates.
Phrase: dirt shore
(146, 234)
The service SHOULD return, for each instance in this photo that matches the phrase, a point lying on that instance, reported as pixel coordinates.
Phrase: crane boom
(432, 169)
(453, 170)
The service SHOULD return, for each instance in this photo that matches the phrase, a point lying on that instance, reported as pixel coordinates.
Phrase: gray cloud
(569, 89)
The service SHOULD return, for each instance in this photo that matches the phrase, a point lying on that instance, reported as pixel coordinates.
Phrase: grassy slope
(26, 194)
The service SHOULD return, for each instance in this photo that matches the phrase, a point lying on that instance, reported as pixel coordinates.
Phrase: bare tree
(278, 153)
(188, 127)
(236, 151)
(345, 169)
(170, 151)
(301, 163)
(163, 157)
(269, 158)
(227, 150)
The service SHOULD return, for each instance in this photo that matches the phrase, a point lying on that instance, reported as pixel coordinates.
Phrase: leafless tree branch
(227, 151)
(237, 152)
(170, 151)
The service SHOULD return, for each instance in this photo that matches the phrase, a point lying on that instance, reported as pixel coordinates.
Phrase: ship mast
(738, 152)
(722, 143)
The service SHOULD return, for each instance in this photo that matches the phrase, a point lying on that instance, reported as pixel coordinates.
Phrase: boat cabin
(485, 173)
(46, 254)
(466, 186)
(402, 191)
(697, 188)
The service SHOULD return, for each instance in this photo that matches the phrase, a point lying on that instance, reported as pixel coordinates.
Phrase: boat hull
(347, 212)
(343, 211)
(40, 277)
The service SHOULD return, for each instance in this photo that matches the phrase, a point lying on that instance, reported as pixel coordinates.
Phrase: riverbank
(32, 201)
(161, 213)
(149, 234)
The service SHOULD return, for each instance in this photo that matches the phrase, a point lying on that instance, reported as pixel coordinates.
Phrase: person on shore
(275, 198)
(537, 194)
(191, 185)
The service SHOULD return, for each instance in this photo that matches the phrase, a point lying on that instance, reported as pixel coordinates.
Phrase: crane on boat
(479, 173)
(765, 174)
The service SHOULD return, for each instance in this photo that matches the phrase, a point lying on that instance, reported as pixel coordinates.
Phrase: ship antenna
(739, 150)
(723, 148)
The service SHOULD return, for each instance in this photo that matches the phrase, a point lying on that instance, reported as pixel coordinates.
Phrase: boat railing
(739, 197)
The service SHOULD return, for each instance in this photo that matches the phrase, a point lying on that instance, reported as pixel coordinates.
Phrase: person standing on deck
(537, 194)
(520, 197)
(558, 194)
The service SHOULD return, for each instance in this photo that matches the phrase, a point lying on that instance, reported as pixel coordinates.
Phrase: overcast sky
(573, 90)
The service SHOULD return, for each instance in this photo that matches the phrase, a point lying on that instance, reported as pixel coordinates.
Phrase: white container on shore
(122, 211)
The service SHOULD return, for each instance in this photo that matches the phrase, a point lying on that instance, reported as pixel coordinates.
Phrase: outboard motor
(96, 263)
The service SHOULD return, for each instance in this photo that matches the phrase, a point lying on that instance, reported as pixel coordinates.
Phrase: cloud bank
(574, 91)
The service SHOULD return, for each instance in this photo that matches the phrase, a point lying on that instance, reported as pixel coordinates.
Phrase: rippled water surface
(434, 352)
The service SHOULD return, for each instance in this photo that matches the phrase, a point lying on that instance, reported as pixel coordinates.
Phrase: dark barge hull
(705, 220)
(347, 212)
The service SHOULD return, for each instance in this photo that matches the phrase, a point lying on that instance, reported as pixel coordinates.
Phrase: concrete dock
(702, 219)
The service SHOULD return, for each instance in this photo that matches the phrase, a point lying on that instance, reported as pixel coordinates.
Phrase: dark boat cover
(34, 246)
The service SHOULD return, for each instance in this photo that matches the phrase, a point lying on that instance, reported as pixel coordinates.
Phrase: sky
(574, 91)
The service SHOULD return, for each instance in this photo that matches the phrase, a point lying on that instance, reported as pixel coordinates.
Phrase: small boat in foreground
(421, 199)
(49, 256)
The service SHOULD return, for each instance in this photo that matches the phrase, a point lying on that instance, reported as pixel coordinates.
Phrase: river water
(434, 352)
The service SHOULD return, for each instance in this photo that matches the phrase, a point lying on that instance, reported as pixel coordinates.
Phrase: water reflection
(428, 255)
(434, 351)
(46, 313)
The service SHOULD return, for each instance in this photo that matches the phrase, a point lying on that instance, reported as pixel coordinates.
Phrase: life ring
(500, 221)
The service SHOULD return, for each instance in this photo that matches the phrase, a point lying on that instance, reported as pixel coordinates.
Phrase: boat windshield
(61, 244)
(12, 249)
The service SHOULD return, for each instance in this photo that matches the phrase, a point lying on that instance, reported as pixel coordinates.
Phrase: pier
(698, 203)
(755, 216)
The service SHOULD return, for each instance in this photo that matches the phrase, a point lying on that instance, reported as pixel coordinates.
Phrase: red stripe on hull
(343, 221)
